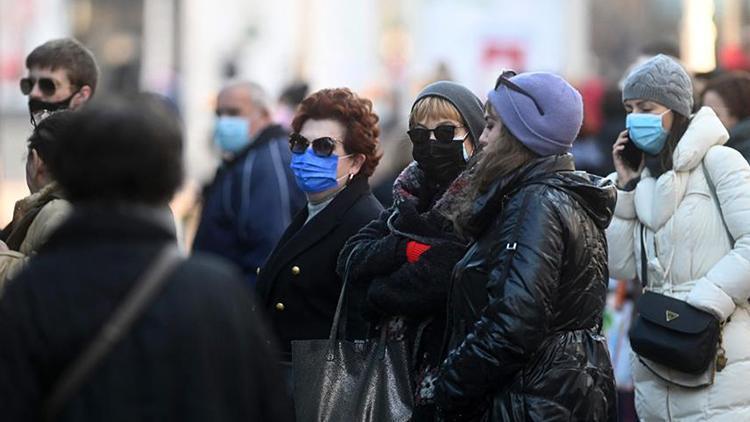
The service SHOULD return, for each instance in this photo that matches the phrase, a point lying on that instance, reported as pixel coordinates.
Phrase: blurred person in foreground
(253, 196)
(38, 215)
(527, 300)
(729, 97)
(197, 352)
(335, 150)
(62, 74)
(403, 260)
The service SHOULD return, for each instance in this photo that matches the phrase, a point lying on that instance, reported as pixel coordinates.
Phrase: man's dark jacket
(250, 203)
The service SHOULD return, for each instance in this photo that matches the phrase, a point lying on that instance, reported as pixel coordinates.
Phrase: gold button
(279, 306)
(257, 271)
(295, 270)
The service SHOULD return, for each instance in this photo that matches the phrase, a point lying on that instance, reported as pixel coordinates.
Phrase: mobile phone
(631, 155)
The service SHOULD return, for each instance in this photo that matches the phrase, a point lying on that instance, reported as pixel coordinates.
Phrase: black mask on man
(39, 110)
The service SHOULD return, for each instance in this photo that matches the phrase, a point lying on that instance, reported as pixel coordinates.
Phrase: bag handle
(715, 197)
(339, 324)
(115, 328)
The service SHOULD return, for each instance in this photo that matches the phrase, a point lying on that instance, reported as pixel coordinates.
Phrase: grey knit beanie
(663, 80)
(468, 105)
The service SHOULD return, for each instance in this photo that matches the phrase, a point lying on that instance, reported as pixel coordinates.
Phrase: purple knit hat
(551, 133)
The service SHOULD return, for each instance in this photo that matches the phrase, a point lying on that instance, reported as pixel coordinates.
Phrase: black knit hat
(467, 104)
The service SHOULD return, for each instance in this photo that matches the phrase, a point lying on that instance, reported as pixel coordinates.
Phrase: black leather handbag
(671, 332)
(357, 381)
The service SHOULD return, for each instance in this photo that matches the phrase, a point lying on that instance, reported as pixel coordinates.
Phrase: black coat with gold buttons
(298, 286)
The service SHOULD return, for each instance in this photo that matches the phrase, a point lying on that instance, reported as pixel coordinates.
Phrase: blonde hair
(431, 107)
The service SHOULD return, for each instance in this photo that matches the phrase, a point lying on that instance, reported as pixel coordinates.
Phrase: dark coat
(197, 353)
(527, 301)
(298, 285)
(409, 297)
(250, 203)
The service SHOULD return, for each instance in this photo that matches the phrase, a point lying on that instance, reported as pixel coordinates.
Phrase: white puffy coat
(690, 257)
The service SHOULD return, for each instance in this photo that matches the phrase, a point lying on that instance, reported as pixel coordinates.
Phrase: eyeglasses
(46, 85)
(504, 79)
(443, 133)
(322, 147)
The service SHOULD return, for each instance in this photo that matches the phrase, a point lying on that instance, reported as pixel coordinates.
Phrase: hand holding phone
(628, 159)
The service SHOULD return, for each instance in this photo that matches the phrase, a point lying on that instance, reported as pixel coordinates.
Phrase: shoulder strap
(715, 197)
(116, 327)
(644, 257)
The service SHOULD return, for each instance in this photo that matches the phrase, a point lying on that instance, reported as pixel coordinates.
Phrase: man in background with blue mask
(253, 196)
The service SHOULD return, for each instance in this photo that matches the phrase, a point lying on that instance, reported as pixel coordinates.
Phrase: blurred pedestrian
(253, 196)
(335, 150)
(729, 97)
(404, 258)
(38, 215)
(195, 351)
(669, 231)
(62, 74)
(527, 299)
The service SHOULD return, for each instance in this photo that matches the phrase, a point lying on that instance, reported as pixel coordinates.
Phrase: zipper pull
(721, 359)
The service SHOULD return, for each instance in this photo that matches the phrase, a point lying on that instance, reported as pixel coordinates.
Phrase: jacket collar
(299, 237)
(488, 206)
(95, 222)
(265, 136)
(657, 199)
(705, 131)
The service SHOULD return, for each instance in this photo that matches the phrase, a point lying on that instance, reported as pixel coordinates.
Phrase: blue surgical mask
(314, 173)
(646, 132)
(232, 134)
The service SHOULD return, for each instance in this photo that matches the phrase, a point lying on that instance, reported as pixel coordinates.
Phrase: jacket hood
(595, 195)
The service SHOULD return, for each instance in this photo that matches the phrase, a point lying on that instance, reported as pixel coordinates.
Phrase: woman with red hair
(334, 152)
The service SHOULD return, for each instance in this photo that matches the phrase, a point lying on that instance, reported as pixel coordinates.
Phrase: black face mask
(39, 109)
(441, 162)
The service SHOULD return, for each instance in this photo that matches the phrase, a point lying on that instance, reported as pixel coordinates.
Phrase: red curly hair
(354, 113)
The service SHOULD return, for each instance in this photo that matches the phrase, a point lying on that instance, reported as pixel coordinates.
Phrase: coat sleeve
(11, 262)
(727, 283)
(515, 322)
(622, 263)
(373, 251)
(415, 290)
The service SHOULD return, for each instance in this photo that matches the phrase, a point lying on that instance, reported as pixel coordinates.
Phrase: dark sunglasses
(504, 79)
(322, 147)
(46, 85)
(443, 134)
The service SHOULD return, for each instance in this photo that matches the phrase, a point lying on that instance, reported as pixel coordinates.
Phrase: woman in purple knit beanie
(527, 299)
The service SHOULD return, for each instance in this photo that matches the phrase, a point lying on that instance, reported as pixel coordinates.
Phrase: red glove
(414, 250)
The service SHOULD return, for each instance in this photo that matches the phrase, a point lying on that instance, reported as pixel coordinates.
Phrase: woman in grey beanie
(405, 257)
(681, 226)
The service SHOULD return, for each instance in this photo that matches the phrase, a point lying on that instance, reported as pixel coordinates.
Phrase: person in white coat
(691, 254)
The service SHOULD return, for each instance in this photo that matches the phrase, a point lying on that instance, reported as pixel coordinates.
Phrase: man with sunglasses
(253, 196)
(62, 74)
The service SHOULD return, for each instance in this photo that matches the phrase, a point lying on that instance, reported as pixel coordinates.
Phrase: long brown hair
(680, 124)
(497, 159)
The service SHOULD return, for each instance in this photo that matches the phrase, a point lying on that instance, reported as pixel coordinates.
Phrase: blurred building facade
(384, 49)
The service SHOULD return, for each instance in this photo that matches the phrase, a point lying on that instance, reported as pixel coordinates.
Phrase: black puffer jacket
(527, 301)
